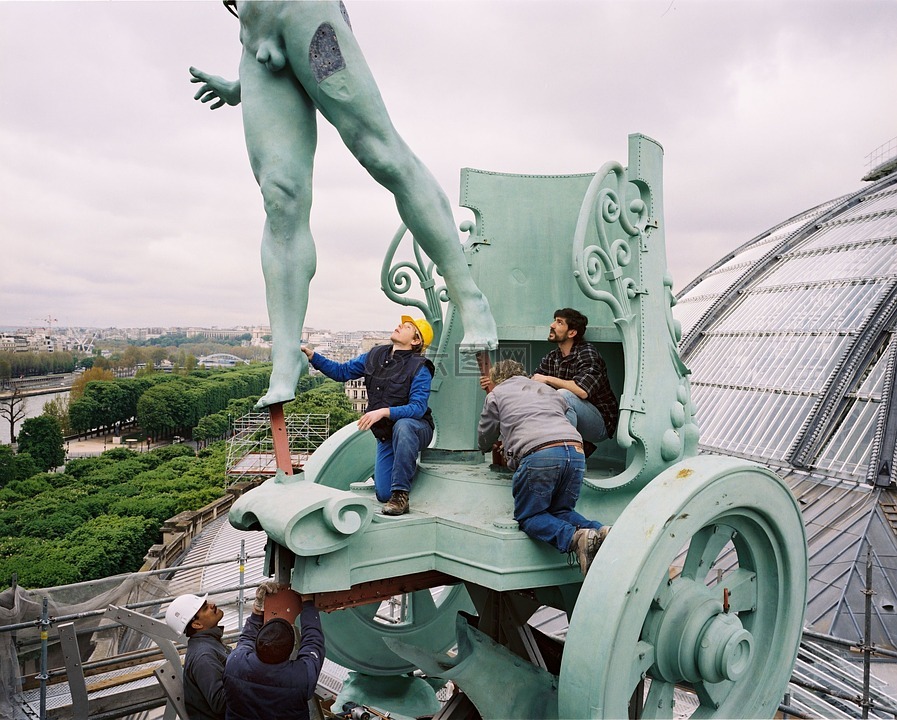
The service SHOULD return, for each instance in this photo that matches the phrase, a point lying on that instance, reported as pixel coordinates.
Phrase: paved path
(87, 447)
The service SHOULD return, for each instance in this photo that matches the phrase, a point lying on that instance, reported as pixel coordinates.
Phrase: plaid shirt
(585, 367)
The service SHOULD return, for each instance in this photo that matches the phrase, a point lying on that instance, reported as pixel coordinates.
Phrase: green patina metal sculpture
(301, 58)
(701, 583)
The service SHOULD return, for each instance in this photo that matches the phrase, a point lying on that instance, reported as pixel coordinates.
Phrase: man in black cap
(260, 680)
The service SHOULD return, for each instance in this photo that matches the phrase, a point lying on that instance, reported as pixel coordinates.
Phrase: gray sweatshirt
(526, 414)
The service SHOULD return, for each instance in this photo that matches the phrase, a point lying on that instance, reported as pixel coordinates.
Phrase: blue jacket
(393, 379)
(204, 675)
(255, 690)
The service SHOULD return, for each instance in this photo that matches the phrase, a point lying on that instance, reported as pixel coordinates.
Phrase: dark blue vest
(387, 377)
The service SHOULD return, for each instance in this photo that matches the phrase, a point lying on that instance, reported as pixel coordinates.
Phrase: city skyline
(127, 203)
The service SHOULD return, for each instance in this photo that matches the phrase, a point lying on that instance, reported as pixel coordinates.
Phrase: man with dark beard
(579, 374)
(206, 654)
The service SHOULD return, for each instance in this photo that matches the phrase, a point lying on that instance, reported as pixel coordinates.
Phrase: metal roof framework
(791, 344)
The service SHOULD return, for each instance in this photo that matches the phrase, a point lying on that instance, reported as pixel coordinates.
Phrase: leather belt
(555, 443)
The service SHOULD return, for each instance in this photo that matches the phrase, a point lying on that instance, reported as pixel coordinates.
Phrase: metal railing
(74, 672)
(882, 154)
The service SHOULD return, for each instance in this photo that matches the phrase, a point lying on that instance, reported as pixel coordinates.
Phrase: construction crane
(49, 320)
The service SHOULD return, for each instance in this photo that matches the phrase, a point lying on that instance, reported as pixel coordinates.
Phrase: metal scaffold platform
(250, 449)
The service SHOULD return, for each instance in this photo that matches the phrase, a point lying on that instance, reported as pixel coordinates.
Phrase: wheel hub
(694, 638)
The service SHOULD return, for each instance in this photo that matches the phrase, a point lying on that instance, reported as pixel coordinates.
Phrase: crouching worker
(260, 679)
(206, 654)
(397, 378)
(545, 452)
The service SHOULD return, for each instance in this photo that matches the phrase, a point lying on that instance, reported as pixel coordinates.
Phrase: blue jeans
(397, 458)
(546, 487)
(584, 417)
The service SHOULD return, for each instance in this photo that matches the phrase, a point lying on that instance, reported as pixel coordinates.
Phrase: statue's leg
(280, 127)
(345, 92)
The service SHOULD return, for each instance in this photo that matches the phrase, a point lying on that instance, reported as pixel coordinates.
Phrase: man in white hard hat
(397, 378)
(206, 654)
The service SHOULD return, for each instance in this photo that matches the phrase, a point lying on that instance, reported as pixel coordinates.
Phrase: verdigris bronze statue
(299, 58)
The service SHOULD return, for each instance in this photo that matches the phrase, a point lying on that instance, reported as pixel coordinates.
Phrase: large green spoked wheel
(702, 583)
(425, 618)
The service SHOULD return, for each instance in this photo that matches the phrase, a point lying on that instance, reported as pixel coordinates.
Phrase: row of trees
(315, 395)
(164, 404)
(179, 350)
(101, 515)
(40, 446)
(181, 339)
(18, 364)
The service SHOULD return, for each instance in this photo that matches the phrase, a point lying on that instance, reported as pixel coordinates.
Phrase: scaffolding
(250, 449)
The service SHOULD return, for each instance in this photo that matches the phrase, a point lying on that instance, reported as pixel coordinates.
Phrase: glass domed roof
(791, 344)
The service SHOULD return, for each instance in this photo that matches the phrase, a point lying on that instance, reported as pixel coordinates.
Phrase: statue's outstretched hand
(215, 89)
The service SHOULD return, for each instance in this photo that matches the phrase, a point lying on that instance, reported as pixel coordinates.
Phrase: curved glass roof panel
(792, 371)
(873, 383)
(839, 307)
(690, 312)
(858, 262)
(750, 254)
(756, 423)
(849, 448)
(877, 202)
(853, 231)
(789, 362)
(716, 283)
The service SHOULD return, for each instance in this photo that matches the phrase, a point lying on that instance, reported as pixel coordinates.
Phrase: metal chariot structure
(702, 582)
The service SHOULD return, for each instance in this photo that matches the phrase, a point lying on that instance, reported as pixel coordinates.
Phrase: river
(34, 406)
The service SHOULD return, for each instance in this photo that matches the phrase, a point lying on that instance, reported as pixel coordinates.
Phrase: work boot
(397, 503)
(586, 542)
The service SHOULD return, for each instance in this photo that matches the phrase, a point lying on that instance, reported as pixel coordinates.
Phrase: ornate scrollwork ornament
(396, 280)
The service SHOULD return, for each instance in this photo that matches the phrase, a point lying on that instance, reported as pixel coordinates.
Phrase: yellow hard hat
(423, 329)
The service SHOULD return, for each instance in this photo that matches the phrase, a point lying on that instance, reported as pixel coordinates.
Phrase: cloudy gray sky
(123, 202)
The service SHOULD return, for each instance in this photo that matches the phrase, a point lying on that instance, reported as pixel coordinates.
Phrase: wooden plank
(379, 590)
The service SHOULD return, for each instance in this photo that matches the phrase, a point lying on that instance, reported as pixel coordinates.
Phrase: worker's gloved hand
(268, 587)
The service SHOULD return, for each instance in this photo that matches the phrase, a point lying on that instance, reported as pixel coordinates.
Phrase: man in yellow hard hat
(397, 377)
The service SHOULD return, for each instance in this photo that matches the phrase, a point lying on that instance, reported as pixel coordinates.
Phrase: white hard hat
(182, 610)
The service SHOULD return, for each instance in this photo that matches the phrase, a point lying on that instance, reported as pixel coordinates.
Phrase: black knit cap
(275, 641)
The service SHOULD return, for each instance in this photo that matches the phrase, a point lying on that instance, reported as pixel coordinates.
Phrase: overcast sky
(123, 202)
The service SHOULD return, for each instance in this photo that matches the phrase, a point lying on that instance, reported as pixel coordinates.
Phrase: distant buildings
(357, 394)
(30, 342)
(340, 346)
(344, 346)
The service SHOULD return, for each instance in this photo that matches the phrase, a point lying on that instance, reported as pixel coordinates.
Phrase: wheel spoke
(423, 607)
(367, 612)
(703, 550)
(742, 587)
(712, 695)
(659, 703)
(644, 653)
